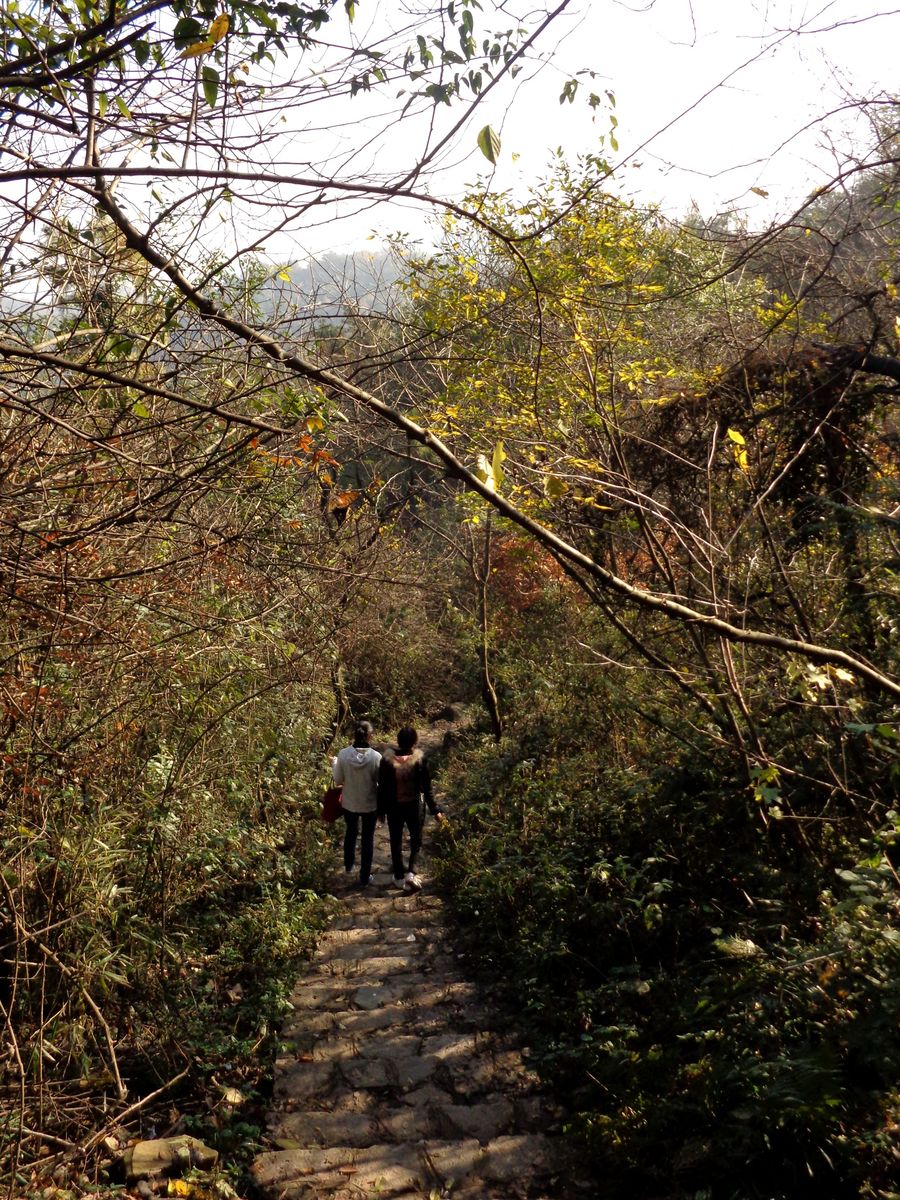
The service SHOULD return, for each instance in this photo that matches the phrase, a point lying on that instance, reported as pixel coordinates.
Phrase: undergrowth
(712, 994)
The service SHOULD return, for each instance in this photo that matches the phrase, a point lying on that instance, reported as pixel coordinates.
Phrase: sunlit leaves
(197, 49)
(489, 143)
(484, 471)
(490, 470)
(217, 31)
(739, 447)
(497, 464)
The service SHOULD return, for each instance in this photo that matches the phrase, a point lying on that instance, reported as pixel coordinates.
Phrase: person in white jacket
(356, 770)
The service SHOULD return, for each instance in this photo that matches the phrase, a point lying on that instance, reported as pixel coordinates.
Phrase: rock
(166, 1156)
(369, 998)
(483, 1122)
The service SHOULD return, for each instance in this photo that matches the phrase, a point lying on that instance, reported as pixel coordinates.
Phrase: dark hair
(407, 738)
(362, 731)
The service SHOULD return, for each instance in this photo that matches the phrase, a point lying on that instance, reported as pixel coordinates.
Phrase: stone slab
(358, 1021)
(366, 1073)
(325, 996)
(389, 1044)
(388, 1085)
(509, 1158)
(481, 1121)
(302, 1080)
(390, 1168)
(311, 1128)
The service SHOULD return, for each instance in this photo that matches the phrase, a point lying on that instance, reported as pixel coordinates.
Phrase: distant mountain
(335, 286)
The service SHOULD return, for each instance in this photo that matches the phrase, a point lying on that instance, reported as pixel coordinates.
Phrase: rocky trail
(393, 1084)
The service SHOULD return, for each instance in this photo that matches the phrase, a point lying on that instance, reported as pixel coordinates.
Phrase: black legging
(410, 815)
(367, 846)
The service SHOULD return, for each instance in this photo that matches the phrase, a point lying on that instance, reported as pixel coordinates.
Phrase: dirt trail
(392, 1083)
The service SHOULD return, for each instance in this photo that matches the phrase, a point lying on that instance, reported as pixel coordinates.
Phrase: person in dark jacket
(403, 780)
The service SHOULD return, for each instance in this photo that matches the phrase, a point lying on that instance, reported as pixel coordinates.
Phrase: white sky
(662, 59)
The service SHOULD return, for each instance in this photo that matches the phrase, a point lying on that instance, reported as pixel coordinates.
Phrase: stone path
(392, 1084)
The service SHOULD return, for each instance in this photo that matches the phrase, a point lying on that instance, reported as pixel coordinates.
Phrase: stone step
(388, 1169)
(439, 1119)
(389, 1083)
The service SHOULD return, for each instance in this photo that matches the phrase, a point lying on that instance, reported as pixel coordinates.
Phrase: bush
(714, 1003)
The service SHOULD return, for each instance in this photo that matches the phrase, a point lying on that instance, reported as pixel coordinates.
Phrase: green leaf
(187, 30)
(489, 143)
(140, 409)
(123, 107)
(350, 8)
(209, 77)
(554, 487)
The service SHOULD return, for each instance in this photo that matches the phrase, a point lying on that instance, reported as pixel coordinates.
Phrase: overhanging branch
(605, 578)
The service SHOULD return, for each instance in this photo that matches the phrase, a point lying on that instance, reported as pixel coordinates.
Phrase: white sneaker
(400, 883)
(412, 882)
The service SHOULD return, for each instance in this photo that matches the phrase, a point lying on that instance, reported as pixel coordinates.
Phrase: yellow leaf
(179, 1187)
(737, 438)
(285, 275)
(485, 472)
(314, 423)
(219, 28)
(497, 464)
(740, 457)
(760, 192)
(196, 50)
(843, 676)
(554, 487)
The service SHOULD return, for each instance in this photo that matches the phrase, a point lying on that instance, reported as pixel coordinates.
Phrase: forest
(623, 484)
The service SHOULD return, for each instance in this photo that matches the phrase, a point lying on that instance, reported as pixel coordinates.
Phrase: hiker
(356, 770)
(403, 778)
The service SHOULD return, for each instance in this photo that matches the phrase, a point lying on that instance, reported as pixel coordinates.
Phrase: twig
(48, 1137)
(69, 973)
(119, 1118)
